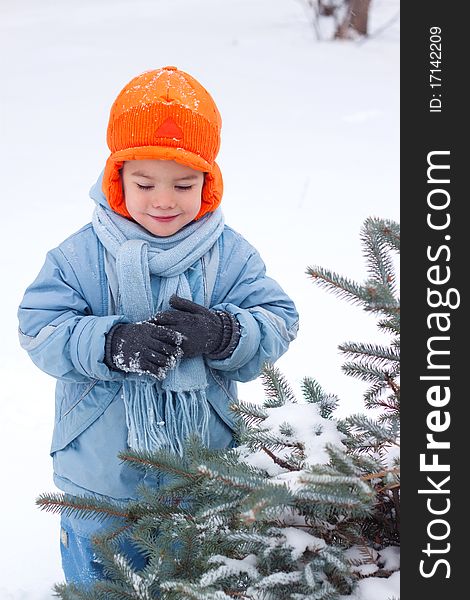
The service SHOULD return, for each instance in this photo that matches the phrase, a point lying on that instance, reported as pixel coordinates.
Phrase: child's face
(161, 195)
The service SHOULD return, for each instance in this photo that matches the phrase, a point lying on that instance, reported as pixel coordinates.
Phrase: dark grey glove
(142, 348)
(214, 333)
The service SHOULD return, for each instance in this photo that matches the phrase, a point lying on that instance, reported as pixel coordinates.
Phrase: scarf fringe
(163, 419)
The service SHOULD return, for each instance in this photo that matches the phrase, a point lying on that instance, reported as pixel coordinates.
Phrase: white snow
(230, 566)
(301, 541)
(389, 558)
(378, 588)
(308, 426)
(309, 150)
(308, 429)
(363, 559)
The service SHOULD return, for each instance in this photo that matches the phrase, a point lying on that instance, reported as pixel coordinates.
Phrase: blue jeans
(80, 563)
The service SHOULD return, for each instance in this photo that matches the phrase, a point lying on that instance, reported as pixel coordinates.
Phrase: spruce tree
(301, 509)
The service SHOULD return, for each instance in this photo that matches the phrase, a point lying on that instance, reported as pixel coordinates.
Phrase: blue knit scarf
(160, 414)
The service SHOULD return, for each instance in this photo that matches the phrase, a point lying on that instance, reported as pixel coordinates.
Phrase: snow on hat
(164, 114)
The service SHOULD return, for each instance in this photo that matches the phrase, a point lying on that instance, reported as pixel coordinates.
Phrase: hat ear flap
(112, 187)
(212, 191)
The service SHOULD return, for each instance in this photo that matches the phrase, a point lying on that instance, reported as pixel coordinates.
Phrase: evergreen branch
(380, 474)
(390, 325)
(314, 394)
(113, 591)
(392, 487)
(372, 428)
(241, 469)
(373, 393)
(370, 463)
(162, 499)
(252, 515)
(104, 538)
(272, 497)
(340, 286)
(396, 502)
(72, 592)
(129, 584)
(282, 463)
(379, 298)
(334, 500)
(376, 248)
(276, 387)
(230, 480)
(216, 509)
(82, 506)
(375, 354)
(385, 230)
(365, 373)
(250, 537)
(252, 413)
(340, 461)
(259, 438)
(274, 581)
(189, 591)
(390, 404)
(366, 552)
(392, 384)
(391, 233)
(330, 480)
(161, 460)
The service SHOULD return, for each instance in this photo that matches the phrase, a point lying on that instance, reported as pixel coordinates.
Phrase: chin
(164, 231)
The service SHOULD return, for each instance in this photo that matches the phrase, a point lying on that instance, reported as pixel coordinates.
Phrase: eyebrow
(185, 178)
(140, 174)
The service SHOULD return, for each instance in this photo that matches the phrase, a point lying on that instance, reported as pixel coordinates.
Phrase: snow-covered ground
(310, 149)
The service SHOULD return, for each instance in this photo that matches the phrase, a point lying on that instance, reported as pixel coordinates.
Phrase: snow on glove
(142, 348)
(214, 333)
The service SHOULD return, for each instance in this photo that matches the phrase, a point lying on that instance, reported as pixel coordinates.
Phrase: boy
(149, 315)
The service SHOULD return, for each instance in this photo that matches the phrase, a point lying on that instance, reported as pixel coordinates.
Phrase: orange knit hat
(164, 114)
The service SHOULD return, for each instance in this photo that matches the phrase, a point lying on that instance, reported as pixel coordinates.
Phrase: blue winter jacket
(63, 320)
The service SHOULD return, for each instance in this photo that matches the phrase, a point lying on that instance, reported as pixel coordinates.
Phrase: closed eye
(145, 187)
(183, 188)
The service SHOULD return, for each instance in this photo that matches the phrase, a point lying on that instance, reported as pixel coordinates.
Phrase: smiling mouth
(164, 218)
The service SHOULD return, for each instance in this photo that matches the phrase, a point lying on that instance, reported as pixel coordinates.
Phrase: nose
(163, 199)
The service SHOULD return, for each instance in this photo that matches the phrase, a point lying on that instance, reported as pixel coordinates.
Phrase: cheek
(126, 193)
(134, 200)
(197, 201)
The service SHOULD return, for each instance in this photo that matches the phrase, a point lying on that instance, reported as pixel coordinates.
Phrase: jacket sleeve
(267, 316)
(57, 327)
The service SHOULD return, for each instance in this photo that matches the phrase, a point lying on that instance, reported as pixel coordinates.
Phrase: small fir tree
(301, 509)
(378, 366)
